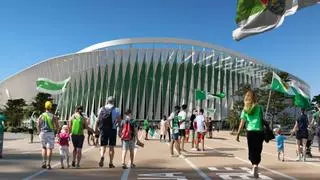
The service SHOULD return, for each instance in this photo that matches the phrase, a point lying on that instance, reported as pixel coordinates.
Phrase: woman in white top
(163, 128)
(201, 129)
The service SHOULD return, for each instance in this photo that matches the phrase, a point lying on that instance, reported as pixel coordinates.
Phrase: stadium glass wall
(150, 81)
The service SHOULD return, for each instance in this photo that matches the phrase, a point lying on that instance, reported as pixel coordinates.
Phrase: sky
(32, 31)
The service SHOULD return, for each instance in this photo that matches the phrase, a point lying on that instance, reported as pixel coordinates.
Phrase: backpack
(126, 133)
(105, 122)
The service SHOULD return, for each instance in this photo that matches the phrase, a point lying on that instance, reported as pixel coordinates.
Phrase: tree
(316, 99)
(14, 110)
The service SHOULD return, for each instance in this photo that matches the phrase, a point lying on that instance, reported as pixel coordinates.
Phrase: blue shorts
(175, 136)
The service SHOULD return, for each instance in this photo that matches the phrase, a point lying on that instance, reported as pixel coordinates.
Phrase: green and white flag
(301, 99)
(279, 85)
(203, 95)
(257, 16)
(52, 87)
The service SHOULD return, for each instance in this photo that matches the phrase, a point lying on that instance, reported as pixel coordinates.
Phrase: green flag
(301, 99)
(279, 85)
(257, 16)
(203, 95)
(51, 87)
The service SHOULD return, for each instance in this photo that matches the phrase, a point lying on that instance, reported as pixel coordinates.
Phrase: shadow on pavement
(228, 149)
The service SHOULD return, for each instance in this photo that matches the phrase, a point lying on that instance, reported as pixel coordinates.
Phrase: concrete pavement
(224, 158)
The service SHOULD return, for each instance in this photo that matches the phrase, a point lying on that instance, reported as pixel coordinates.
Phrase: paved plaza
(224, 158)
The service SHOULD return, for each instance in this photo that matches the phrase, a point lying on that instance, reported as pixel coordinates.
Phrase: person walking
(210, 127)
(109, 117)
(31, 126)
(301, 130)
(63, 141)
(191, 127)
(47, 124)
(163, 128)
(2, 127)
(129, 137)
(77, 124)
(201, 129)
(146, 127)
(280, 144)
(182, 125)
(316, 122)
(174, 125)
(252, 115)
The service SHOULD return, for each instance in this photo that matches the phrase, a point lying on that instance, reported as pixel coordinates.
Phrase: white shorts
(47, 139)
(64, 151)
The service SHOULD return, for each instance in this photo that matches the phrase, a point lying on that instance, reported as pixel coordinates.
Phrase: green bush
(9, 129)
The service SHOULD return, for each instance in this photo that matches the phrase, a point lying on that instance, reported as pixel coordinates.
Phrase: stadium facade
(148, 75)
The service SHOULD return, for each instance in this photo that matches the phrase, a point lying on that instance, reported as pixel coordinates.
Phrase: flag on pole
(52, 87)
(257, 16)
(203, 95)
(279, 85)
(301, 99)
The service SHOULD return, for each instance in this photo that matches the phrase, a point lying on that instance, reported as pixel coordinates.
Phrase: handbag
(268, 133)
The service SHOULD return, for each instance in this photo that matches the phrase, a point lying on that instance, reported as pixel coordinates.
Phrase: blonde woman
(252, 114)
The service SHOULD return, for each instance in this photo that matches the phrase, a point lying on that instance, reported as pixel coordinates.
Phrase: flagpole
(267, 109)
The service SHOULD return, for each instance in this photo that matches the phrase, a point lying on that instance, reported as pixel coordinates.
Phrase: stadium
(148, 75)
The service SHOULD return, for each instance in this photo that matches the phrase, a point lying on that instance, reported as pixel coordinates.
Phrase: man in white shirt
(174, 126)
(201, 129)
(182, 125)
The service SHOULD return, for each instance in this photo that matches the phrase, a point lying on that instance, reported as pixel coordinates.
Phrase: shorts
(200, 135)
(192, 134)
(280, 150)
(128, 145)
(77, 141)
(182, 132)
(108, 138)
(302, 135)
(31, 131)
(47, 139)
(175, 136)
(64, 151)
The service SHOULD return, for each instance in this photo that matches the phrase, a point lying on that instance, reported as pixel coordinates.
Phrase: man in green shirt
(2, 119)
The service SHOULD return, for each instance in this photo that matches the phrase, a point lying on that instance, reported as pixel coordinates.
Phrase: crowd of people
(180, 126)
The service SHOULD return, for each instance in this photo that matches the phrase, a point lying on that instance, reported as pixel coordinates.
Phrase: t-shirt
(145, 124)
(200, 123)
(182, 119)
(115, 114)
(2, 119)
(63, 139)
(280, 141)
(253, 119)
(174, 120)
(303, 123)
(47, 124)
(192, 118)
(31, 123)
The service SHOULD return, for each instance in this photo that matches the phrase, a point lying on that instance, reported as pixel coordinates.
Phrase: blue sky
(31, 31)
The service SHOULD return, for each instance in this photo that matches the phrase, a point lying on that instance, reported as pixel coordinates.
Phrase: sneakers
(77, 166)
(133, 166)
(49, 167)
(255, 172)
(111, 165)
(194, 149)
(124, 166)
(73, 164)
(43, 166)
(101, 162)
(182, 156)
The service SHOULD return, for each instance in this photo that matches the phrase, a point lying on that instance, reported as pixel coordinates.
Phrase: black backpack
(105, 122)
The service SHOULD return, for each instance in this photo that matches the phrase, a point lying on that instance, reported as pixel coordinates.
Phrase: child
(280, 144)
(63, 141)
(129, 133)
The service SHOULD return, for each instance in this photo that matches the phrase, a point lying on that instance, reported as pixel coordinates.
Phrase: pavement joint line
(193, 166)
(55, 165)
(263, 167)
(270, 154)
(126, 172)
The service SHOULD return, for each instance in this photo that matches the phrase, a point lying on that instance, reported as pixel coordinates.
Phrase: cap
(48, 105)
(110, 99)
